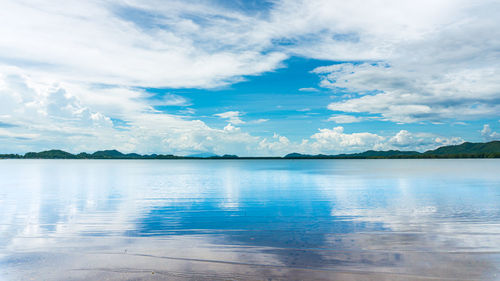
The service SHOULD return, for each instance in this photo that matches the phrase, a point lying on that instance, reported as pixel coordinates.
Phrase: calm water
(250, 220)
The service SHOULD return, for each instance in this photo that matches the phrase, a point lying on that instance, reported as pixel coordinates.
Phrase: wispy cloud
(169, 100)
(344, 119)
(9, 134)
(425, 74)
(233, 116)
(304, 109)
(308, 90)
(258, 121)
(69, 68)
(154, 44)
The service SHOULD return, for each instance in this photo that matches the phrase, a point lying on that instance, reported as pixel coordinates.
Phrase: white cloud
(333, 141)
(58, 118)
(180, 44)
(344, 119)
(233, 117)
(258, 121)
(402, 139)
(68, 69)
(277, 145)
(188, 111)
(9, 134)
(409, 97)
(488, 134)
(230, 128)
(420, 141)
(61, 119)
(110, 44)
(448, 141)
(30, 102)
(427, 60)
(445, 67)
(336, 140)
(169, 100)
(308, 90)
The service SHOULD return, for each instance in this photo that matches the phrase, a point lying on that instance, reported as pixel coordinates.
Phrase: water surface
(250, 219)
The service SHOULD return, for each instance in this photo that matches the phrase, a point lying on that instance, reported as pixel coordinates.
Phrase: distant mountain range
(464, 150)
(108, 154)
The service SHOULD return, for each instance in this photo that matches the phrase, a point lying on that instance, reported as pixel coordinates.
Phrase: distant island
(464, 150)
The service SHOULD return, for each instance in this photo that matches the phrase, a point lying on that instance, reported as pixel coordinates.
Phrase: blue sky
(248, 77)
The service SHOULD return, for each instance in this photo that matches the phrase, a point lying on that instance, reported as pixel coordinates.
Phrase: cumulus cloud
(420, 141)
(488, 134)
(62, 116)
(336, 140)
(402, 139)
(24, 101)
(70, 71)
(46, 115)
(278, 144)
(449, 141)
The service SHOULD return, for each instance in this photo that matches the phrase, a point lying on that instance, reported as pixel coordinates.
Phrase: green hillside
(50, 154)
(362, 155)
(107, 154)
(468, 148)
(464, 150)
(374, 153)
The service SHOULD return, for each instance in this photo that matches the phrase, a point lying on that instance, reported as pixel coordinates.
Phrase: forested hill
(468, 148)
(103, 154)
(464, 150)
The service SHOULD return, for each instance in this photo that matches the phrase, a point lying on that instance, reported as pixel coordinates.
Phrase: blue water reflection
(300, 219)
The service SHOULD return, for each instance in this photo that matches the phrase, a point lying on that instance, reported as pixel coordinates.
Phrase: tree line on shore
(464, 150)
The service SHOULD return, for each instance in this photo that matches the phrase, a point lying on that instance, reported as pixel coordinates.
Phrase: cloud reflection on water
(282, 219)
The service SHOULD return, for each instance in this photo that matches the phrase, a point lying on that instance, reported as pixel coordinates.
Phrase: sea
(416, 219)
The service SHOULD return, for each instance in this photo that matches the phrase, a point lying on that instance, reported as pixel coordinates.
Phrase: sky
(252, 78)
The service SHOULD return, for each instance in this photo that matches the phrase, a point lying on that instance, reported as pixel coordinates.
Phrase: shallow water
(250, 219)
